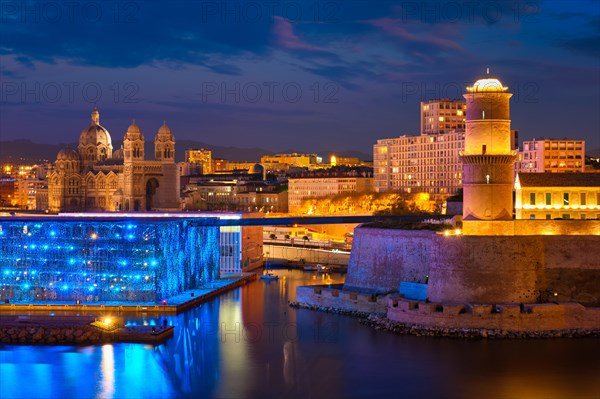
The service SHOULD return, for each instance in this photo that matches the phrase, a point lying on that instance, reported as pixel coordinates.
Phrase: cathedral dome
(67, 154)
(118, 154)
(95, 134)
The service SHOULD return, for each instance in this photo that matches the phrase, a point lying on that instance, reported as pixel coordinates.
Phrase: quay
(173, 305)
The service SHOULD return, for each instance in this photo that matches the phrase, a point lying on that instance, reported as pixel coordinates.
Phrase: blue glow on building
(102, 259)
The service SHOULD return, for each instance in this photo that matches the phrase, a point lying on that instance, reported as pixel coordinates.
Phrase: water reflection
(108, 372)
(249, 343)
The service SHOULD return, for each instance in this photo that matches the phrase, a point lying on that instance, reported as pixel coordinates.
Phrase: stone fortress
(94, 178)
(495, 272)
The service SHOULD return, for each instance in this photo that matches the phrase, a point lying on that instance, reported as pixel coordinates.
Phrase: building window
(532, 199)
(582, 199)
(566, 216)
(548, 216)
(583, 215)
(566, 199)
(548, 199)
(532, 216)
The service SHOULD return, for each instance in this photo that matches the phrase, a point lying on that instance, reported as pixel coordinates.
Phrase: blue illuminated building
(96, 259)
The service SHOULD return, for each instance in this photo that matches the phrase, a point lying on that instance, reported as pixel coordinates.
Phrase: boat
(323, 269)
(269, 277)
(311, 268)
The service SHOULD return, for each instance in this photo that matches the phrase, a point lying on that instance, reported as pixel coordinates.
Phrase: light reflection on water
(249, 343)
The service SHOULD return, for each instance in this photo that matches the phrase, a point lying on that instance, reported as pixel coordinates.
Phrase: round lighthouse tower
(487, 157)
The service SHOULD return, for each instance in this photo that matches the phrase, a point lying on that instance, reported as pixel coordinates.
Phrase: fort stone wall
(382, 258)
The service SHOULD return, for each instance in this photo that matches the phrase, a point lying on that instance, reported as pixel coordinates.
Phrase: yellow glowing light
(441, 118)
(107, 321)
(333, 160)
(94, 236)
(487, 85)
(457, 231)
(447, 233)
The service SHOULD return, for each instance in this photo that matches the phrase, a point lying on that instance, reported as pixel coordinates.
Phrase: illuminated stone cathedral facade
(94, 178)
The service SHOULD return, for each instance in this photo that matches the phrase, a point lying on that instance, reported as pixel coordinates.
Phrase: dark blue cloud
(371, 50)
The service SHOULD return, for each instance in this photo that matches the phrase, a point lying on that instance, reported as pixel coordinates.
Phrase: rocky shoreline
(382, 323)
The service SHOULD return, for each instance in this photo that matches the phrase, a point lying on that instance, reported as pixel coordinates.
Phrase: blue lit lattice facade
(104, 260)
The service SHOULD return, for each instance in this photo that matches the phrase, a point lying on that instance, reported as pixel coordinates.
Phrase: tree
(306, 239)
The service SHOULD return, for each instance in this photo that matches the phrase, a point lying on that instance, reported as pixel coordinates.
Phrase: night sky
(303, 75)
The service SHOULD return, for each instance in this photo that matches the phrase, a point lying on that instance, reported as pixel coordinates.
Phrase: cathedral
(94, 178)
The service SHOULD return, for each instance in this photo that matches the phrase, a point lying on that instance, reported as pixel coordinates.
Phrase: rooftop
(559, 179)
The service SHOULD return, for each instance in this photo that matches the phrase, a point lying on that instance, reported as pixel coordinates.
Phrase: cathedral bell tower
(164, 145)
(488, 157)
(133, 154)
(133, 144)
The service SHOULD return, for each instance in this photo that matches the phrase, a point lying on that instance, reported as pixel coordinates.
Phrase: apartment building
(411, 164)
(544, 155)
(441, 116)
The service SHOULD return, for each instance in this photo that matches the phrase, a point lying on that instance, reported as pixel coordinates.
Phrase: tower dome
(164, 144)
(134, 132)
(487, 85)
(95, 134)
(67, 154)
(164, 134)
(165, 130)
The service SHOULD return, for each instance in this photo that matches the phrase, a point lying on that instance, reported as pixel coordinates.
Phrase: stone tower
(133, 154)
(164, 145)
(166, 194)
(488, 157)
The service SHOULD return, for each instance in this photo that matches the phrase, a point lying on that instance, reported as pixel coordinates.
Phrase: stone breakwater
(382, 323)
(75, 330)
(55, 335)
(385, 324)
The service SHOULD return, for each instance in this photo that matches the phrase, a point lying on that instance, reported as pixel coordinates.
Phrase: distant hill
(593, 153)
(26, 151)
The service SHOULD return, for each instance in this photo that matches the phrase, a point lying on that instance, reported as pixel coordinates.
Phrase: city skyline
(294, 75)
